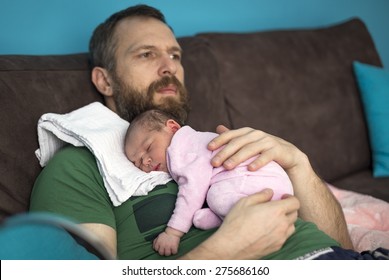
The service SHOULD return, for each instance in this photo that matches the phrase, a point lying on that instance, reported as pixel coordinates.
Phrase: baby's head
(148, 138)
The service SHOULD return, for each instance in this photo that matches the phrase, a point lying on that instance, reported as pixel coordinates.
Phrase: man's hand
(244, 143)
(252, 229)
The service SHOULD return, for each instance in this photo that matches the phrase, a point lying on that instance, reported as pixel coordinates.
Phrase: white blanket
(102, 132)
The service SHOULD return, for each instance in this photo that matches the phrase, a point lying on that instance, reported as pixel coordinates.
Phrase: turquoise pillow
(373, 84)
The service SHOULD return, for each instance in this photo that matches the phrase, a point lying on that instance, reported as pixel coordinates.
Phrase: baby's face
(147, 149)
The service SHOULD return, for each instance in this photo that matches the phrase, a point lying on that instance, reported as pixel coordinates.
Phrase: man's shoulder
(71, 162)
(73, 154)
(74, 151)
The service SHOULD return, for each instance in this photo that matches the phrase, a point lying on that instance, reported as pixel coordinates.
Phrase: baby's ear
(173, 125)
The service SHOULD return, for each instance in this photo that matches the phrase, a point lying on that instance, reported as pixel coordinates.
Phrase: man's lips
(171, 89)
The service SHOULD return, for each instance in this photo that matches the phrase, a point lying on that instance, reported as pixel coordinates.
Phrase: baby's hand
(166, 244)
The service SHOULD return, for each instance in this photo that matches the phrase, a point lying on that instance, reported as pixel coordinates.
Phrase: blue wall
(64, 26)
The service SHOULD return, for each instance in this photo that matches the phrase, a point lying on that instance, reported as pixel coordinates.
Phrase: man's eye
(175, 57)
(146, 54)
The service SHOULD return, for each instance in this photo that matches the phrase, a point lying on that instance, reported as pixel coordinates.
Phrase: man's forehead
(140, 31)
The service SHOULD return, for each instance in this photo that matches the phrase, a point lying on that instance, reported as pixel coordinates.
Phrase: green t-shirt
(71, 185)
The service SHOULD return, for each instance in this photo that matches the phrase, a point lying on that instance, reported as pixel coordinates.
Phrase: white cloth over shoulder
(102, 132)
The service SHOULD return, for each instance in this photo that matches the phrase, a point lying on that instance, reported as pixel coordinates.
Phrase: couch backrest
(29, 87)
(297, 84)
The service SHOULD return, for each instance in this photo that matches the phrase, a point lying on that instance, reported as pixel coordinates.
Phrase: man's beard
(131, 102)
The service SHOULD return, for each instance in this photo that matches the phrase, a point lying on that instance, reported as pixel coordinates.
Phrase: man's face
(148, 72)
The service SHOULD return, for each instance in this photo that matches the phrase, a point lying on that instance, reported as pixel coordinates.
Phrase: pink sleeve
(189, 165)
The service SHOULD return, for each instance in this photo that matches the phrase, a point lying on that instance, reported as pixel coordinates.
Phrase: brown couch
(296, 84)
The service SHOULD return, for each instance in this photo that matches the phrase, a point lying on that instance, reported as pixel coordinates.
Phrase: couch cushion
(299, 85)
(373, 83)
(29, 87)
(363, 182)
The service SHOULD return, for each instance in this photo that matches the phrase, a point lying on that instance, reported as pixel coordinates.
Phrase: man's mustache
(164, 82)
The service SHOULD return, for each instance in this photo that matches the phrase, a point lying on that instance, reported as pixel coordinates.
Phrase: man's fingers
(290, 230)
(262, 196)
(258, 198)
(227, 135)
(286, 195)
(240, 145)
(291, 205)
(244, 143)
(221, 129)
(292, 217)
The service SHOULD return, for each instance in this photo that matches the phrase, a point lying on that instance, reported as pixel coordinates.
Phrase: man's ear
(172, 125)
(101, 80)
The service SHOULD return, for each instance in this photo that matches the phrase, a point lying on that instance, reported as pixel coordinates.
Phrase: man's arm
(71, 186)
(318, 205)
(105, 235)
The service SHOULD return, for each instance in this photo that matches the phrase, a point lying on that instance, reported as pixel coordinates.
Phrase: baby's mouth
(156, 168)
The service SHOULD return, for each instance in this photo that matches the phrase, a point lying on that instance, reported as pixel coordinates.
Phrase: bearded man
(136, 65)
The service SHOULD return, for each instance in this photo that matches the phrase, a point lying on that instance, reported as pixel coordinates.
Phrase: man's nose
(168, 66)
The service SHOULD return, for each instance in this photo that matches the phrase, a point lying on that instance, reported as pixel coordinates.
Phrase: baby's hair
(152, 120)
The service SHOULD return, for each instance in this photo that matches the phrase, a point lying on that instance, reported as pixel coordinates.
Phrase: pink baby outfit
(188, 161)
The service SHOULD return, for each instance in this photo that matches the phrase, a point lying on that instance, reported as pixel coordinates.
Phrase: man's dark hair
(103, 43)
